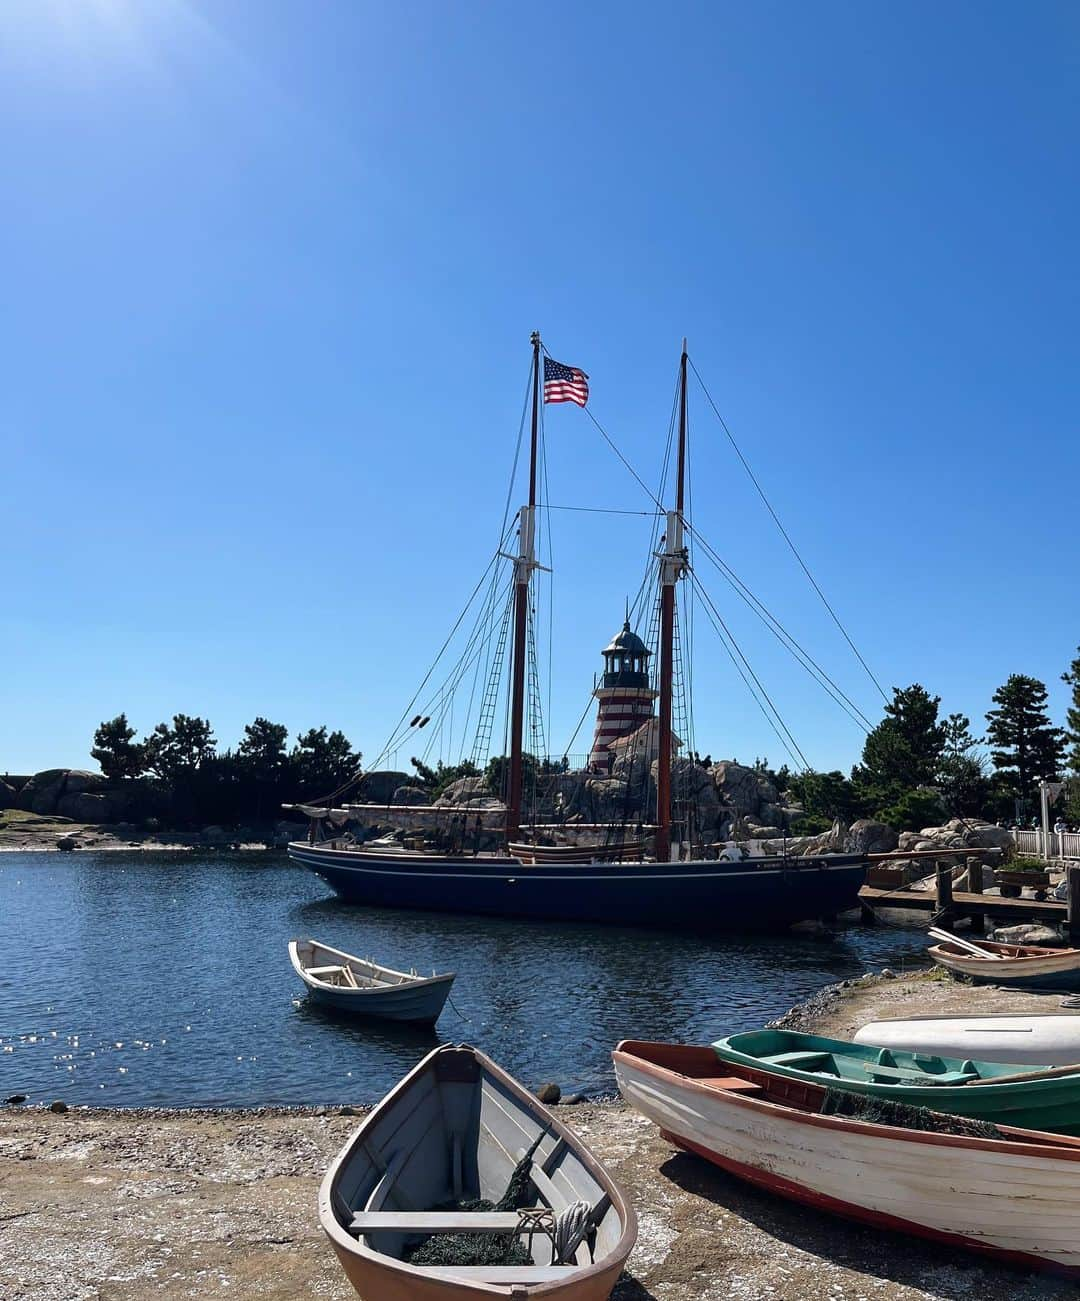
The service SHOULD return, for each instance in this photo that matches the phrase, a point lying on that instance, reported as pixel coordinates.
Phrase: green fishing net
(482, 1248)
(882, 1111)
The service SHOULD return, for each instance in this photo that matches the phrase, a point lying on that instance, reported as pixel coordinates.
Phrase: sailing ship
(632, 873)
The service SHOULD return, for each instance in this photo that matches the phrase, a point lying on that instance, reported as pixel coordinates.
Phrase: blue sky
(270, 271)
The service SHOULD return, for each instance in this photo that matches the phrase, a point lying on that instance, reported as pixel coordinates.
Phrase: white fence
(1065, 844)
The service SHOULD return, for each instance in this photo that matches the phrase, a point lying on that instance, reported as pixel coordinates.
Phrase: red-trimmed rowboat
(1016, 1199)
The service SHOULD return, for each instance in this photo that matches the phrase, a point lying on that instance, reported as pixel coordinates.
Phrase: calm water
(137, 979)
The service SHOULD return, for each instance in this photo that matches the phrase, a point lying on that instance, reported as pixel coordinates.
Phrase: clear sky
(269, 273)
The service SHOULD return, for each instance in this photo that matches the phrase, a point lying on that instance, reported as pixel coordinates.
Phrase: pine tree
(905, 749)
(1072, 715)
(115, 750)
(1028, 746)
(962, 777)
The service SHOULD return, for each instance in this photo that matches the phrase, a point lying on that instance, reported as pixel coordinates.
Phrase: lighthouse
(625, 698)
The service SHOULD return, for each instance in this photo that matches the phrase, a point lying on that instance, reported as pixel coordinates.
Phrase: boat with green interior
(1046, 1098)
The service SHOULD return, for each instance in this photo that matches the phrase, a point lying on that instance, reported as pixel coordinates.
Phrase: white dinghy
(364, 988)
(459, 1148)
(1036, 1039)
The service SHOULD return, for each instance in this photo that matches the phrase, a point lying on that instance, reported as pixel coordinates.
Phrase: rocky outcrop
(868, 837)
(466, 790)
(826, 842)
(7, 796)
(410, 795)
(379, 787)
(739, 787)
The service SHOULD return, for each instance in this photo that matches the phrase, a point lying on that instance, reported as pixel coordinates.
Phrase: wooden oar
(976, 949)
(1050, 1073)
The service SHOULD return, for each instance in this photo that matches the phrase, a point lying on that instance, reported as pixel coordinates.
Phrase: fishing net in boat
(482, 1248)
(882, 1111)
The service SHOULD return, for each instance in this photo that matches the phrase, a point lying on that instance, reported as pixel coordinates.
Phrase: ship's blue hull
(699, 895)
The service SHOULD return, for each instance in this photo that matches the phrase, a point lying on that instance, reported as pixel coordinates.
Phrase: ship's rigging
(485, 714)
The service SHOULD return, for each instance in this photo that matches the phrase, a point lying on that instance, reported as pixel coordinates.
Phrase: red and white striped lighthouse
(626, 699)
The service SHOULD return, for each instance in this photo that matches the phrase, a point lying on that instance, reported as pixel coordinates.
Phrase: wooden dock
(966, 902)
(946, 905)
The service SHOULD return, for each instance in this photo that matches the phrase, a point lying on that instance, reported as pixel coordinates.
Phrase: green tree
(824, 796)
(180, 749)
(436, 780)
(1072, 715)
(320, 762)
(904, 750)
(262, 750)
(1028, 747)
(962, 775)
(119, 756)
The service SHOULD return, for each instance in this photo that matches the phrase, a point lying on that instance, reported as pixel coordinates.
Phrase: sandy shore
(113, 1205)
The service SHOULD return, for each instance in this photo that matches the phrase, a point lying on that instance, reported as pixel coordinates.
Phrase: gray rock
(58, 1107)
(466, 790)
(16, 1099)
(868, 837)
(379, 787)
(85, 807)
(572, 1100)
(410, 795)
(549, 1093)
(1027, 934)
(41, 792)
(738, 786)
(78, 782)
(67, 844)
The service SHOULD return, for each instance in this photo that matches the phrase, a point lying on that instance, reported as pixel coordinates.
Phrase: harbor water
(163, 980)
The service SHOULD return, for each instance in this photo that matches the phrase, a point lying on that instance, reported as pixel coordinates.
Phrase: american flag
(565, 383)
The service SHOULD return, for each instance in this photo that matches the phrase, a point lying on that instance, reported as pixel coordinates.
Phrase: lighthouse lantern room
(624, 695)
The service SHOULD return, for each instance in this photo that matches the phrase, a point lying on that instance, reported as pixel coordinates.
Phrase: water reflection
(164, 979)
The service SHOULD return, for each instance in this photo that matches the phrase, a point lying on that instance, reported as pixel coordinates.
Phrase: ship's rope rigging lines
(480, 663)
(783, 531)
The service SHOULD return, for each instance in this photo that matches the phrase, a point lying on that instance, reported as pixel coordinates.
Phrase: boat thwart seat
(437, 1221)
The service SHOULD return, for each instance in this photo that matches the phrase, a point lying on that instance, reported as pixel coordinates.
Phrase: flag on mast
(565, 383)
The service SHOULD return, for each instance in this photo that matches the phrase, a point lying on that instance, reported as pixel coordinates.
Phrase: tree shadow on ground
(945, 1272)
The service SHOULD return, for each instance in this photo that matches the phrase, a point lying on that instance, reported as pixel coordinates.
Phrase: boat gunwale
(1026, 1140)
(343, 1241)
(407, 981)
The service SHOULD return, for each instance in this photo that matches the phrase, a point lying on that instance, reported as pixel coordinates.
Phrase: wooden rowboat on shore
(1016, 966)
(457, 1130)
(998, 1092)
(1015, 1197)
(363, 988)
(1051, 1038)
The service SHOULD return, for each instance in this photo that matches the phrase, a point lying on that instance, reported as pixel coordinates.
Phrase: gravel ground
(100, 1205)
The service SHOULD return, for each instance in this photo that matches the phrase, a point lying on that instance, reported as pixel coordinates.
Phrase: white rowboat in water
(364, 988)
(1038, 1039)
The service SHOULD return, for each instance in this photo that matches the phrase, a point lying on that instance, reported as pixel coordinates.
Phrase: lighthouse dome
(626, 643)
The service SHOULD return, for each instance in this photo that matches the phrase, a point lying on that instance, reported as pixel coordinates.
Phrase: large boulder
(42, 791)
(410, 795)
(379, 787)
(868, 837)
(826, 842)
(79, 782)
(466, 790)
(85, 806)
(606, 799)
(739, 787)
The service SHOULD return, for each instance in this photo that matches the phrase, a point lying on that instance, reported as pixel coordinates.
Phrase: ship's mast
(524, 564)
(672, 568)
